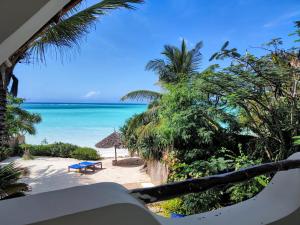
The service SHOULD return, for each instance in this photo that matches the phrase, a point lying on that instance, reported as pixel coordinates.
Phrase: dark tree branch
(172, 190)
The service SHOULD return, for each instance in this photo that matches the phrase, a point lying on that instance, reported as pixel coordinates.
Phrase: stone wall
(158, 171)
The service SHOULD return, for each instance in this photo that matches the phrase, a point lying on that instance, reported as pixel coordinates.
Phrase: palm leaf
(9, 175)
(12, 189)
(225, 45)
(73, 26)
(156, 65)
(141, 95)
(178, 63)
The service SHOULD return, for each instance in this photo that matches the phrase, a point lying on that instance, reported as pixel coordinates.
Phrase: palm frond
(156, 65)
(74, 25)
(13, 189)
(196, 57)
(141, 95)
(9, 175)
(178, 63)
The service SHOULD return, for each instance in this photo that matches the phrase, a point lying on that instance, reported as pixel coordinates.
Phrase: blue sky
(112, 58)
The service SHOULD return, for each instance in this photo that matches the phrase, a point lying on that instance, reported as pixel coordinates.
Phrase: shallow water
(82, 124)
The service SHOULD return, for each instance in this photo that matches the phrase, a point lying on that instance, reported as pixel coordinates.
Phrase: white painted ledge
(110, 204)
(103, 203)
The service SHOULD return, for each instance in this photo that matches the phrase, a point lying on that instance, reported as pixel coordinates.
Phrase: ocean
(83, 124)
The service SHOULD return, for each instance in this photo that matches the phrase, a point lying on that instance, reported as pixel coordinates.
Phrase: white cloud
(91, 94)
(282, 19)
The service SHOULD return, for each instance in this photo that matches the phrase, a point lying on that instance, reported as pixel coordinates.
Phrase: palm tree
(9, 185)
(18, 120)
(179, 63)
(64, 31)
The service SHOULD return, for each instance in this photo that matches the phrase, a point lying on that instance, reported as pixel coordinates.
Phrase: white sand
(49, 173)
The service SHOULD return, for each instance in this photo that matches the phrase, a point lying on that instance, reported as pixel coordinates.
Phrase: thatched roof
(113, 140)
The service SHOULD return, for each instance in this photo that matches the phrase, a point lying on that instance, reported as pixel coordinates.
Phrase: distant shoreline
(82, 124)
(84, 103)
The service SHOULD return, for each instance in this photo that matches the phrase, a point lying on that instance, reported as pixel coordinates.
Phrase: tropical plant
(221, 161)
(5, 152)
(18, 120)
(140, 132)
(63, 150)
(9, 185)
(141, 95)
(63, 32)
(85, 154)
(265, 94)
(179, 63)
(297, 32)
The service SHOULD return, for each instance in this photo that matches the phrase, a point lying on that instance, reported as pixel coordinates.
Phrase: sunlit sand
(51, 173)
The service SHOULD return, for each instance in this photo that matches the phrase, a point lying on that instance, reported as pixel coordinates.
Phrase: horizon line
(39, 102)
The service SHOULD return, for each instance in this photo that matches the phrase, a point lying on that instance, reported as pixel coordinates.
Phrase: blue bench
(84, 165)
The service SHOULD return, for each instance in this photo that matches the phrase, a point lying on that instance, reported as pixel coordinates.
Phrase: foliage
(265, 93)
(73, 27)
(243, 191)
(63, 150)
(63, 32)
(85, 154)
(250, 106)
(223, 161)
(179, 63)
(196, 203)
(54, 150)
(9, 185)
(171, 206)
(141, 95)
(139, 134)
(5, 152)
(18, 120)
(297, 32)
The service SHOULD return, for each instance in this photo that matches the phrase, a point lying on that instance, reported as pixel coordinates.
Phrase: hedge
(62, 150)
(85, 154)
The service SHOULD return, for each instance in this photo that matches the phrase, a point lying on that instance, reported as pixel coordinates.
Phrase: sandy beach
(51, 173)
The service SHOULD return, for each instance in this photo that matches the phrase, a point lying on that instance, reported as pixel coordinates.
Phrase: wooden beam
(173, 190)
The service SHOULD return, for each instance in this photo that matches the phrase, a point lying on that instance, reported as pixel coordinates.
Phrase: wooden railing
(172, 190)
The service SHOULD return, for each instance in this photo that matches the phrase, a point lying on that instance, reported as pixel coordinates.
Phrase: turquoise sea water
(83, 124)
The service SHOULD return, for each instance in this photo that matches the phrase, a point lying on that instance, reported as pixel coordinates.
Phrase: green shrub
(172, 206)
(85, 154)
(37, 150)
(63, 150)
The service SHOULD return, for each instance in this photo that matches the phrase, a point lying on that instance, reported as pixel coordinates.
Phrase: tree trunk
(3, 130)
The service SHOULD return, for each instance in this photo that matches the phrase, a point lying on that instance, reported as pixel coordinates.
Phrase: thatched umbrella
(113, 140)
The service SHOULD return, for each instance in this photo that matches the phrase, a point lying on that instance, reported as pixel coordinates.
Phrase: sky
(111, 59)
